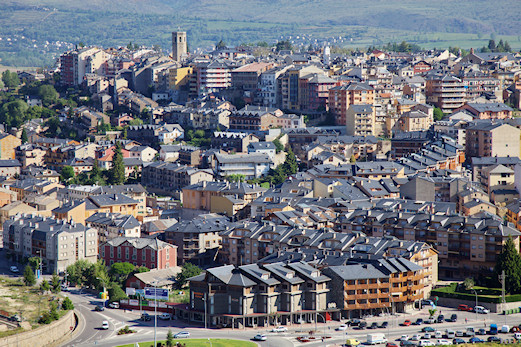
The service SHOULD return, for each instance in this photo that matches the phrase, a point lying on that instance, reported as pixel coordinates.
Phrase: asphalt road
(92, 335)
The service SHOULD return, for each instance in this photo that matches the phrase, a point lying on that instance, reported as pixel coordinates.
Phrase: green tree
(509, 261)
(44, 286)
(438, 114)
(290, 165)
(169, 338)
(54, 311)
(236, 178)
(29, 276)
(492, 45)
(24, 136)
(278, 146)
(117, 171)
(10, 79)
(55, 283)
(468, 283)
(284, 45)
(2, 85)
(67, 173)
(34, 262)
(188, 270)
(78, 272)
(47, 94)
(116, 293)
(67, 304)
(120, 271)
(220, 45)
(13, 113)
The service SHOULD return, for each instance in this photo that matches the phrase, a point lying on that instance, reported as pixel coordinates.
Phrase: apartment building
(246, 77)
(249, 165)
(198, 240)
(233, 141)
(213, 76)
(260, 295)
(74, 65)
(8, 144)
(492, 139)
(413, 121)
(59, 243)
(488, 110)
(151, 253)
(466, 246)
(360, 120)
(382, 285)
(269, 93)
(171, 177)
(445, 92)
(112, 225)
(342, 97)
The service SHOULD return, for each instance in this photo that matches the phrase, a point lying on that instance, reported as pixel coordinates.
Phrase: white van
(375, 339)
(450, 334)
(470, 332)
(505, 329)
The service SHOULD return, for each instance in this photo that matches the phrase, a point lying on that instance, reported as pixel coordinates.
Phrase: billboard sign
(152, 293)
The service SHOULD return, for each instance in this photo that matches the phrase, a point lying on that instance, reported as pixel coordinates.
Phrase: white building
(249, 165)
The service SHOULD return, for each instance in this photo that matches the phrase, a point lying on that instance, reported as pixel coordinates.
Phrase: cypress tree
(117, 172)
(509, 260)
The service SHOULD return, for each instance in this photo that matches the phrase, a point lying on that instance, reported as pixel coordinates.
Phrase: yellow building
(7, 145)
(111, 203)
(74, 211)
(179, 77)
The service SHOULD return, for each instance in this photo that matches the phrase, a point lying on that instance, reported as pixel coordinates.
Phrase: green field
(201, 343)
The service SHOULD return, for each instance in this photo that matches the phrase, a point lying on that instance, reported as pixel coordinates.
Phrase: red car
(391, 344)
(464, 308)
(406, 323)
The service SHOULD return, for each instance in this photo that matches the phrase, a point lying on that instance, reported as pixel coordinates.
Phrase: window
(144, 255)
(126, 253)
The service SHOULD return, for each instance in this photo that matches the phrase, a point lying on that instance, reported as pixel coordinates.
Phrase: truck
(375, 339)
(493, 329)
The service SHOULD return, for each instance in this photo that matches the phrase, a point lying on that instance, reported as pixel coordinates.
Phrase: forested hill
(363, 22)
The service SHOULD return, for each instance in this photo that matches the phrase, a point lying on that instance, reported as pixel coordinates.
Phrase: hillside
(360, 22)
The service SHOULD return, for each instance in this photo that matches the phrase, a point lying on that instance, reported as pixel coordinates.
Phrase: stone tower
(178, 45)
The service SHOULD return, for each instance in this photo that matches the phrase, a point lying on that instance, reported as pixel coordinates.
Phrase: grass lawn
(201, 343)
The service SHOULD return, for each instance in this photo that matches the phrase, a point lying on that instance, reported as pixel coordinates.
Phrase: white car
(182, 334)
(438, 334)
(260, 337)
(280, 329)
(481, 309)
(415, 337)
(404, 338)
(14, 269)
(460, 333)
(342, 327)
(430, 320)
(443, 342)
(114, 304)
(426, 336)
(165, 316)
(425, 343)
(105, 325)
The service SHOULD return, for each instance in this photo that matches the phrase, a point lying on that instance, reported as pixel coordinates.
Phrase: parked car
(454, 318)
(165, 316)
(105, 325)
(427, 303)
(504, 329)
(430, 320)
(182, 335)
(438, 334)
(460, 333)
(443, 342)
(374, 325)
(476, 340)
(279, 329)
(481, 331)
(426, 343)
(494, 339)
(353, 322)
(406, 323)
(416, 337)
(440, 319)
(342, 327)
(14, 269)
(408, 343)
(145, 317)
(260, 337)
(99, 308)
(481, 310)
(450, 333)
(404, 338)
(464, 308)
(458, 341)
(419, 321)
(470, 332)
(517, 336)
(362, 325)
(428, 329)
(384, 325)
(114, 304)
(391, 344)
(426, 336)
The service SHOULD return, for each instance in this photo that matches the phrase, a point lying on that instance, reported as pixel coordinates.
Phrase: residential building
(491, 139)
(342, 97)
(488, 110)
(112, 225)
(59, 243)
(151, 253)
(8, 144)
(30, 155)
(360, 120)
(10, 168)
(233, 141)
(171, 177)
(445, 92)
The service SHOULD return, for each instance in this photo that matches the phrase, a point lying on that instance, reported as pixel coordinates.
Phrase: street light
(204, 300)
(476, 303)
(155, 311)
(319, 315)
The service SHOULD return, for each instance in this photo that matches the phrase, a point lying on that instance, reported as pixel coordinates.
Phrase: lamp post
(319, 315)
(476, 303)
(155, 311)
(204, 300)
